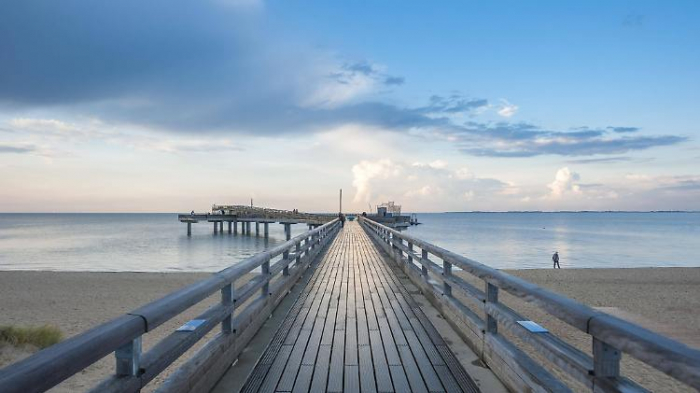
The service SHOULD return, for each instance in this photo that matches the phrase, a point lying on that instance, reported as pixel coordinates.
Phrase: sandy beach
(666, 299)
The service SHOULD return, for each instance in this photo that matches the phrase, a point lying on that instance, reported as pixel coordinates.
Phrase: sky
(170, 106)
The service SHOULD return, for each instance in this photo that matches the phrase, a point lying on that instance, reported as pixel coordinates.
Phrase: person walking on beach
(555, 259)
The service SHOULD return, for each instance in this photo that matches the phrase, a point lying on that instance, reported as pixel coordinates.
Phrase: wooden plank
(367, 378)
(412, 372)
(320, 377)
(303, 379)
(352, 379)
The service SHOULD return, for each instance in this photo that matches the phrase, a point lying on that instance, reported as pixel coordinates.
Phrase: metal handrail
(122, 335)
(610, 335)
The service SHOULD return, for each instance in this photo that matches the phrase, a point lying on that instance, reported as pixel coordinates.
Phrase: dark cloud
(683, 185)
(394, 80)
(453, 104)
(623, 130)
(364, 68)
(603, 160)
(209, 67)
(527, 140)
(10, 149)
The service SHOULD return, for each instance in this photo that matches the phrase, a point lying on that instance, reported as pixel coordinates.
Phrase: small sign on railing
(191, 326)
(533, 327)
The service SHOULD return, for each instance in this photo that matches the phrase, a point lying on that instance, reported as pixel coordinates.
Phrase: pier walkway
(356, 328)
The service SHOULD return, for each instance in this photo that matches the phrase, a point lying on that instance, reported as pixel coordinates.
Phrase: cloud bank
(214, 67)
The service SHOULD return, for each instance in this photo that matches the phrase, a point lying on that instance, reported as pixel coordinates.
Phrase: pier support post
(399, 252)
(446, 273)
(491, 297)
(229, 227)
(189, 229)
(216, 227)
(424, 268)
(235, 227)
(606, 359)
(267, 230)
(285, 270)
(221, 226)
(227, 299)
(247, 228)
(266, 275)
(298, 254)
(257, 229)
(129, 358)
(287, 231)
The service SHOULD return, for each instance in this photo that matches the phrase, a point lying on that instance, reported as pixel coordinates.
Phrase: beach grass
(40, 337)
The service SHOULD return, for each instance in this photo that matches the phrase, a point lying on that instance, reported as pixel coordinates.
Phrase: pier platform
(356, 328)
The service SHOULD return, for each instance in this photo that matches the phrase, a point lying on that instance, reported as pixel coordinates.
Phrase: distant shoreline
(573, 211)
(445, 212)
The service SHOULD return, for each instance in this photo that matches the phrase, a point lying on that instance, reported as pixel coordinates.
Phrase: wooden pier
(231, 215)
(355, 327)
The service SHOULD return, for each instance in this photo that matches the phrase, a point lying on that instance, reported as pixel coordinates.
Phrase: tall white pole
(341, 201)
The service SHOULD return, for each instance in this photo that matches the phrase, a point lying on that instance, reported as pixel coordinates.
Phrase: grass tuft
(40, 337)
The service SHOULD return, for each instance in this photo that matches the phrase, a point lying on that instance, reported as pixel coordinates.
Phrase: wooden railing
(431, 269)
(240, 313)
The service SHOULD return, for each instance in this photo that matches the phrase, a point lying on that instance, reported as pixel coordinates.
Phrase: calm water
(158, 242)
(584, 240)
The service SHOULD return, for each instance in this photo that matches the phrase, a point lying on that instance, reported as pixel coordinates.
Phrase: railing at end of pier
(240, 313)
(610, 336)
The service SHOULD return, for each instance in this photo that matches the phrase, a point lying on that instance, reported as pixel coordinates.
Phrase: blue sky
(169, 106)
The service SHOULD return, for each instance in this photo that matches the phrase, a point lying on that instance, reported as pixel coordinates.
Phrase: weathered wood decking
(356, 328)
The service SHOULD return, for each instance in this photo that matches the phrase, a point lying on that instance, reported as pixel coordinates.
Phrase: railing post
(285, 270)
(227, 299)
(266, 276)
(129, 358)
(410, 252)
(399, 252)
(424, 261)
(491, 297)
(606, 359)
(447, 273)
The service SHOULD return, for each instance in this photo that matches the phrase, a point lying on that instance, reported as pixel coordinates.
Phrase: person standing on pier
(555, 259)
(341, 217)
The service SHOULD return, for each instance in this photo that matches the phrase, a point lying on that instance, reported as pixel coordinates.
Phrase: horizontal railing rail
(610, 336)
(240, 312)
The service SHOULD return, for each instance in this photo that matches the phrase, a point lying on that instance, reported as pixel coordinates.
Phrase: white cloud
(437, 164)
(463, 174)
(507, 109)
(425, 191)
(565, 182)
(427, 186)
(366, 172)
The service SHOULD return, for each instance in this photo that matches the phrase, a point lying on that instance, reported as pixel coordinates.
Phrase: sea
(159, 242)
